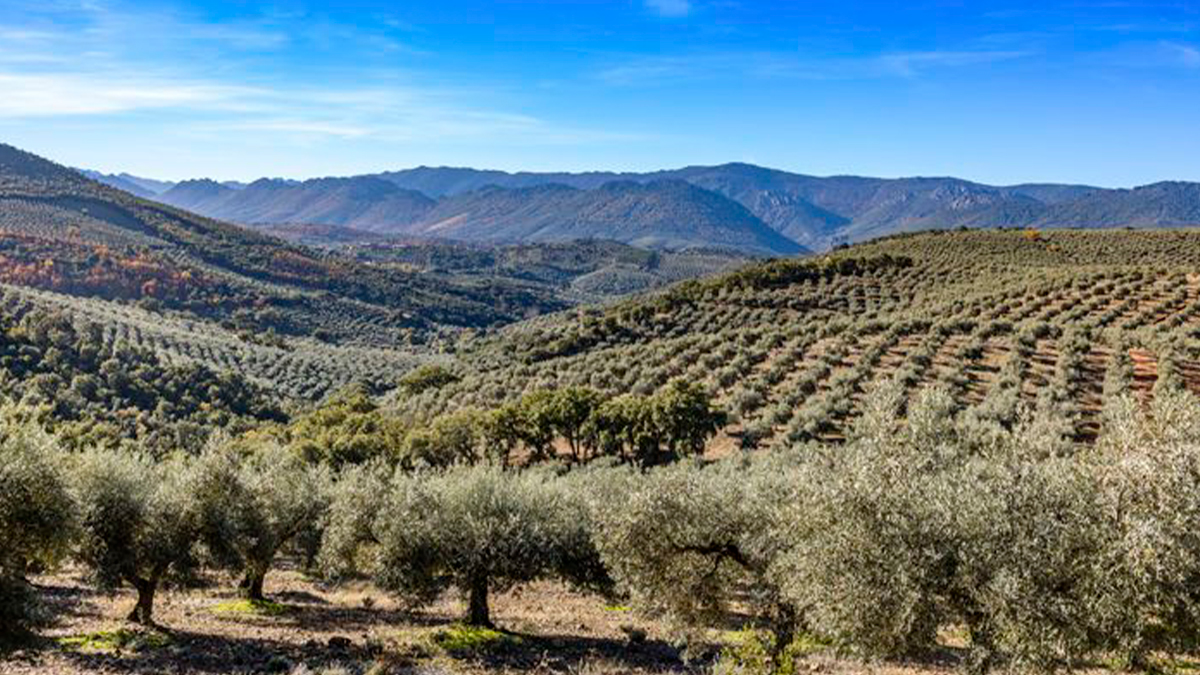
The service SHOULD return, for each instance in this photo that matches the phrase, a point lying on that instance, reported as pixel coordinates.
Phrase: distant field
(1050, 320)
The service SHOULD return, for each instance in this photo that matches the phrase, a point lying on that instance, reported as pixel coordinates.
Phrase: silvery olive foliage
(1148, 469)
(943, 521)
(255, 501)
(689, 540)
(477, 529)
(139, 520)
(36, 516)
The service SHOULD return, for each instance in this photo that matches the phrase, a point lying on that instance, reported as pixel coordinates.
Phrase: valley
(671, 452)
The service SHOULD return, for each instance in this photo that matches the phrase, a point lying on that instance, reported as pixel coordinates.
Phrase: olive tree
(685, 417)
(477, 529)
(936, 523)
(139, 520)
(36, 517)
(255, 503)
(689, 540)
(571, 408)
(1149, 473)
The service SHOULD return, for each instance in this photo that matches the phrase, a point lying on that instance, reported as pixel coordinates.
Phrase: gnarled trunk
(143, 611)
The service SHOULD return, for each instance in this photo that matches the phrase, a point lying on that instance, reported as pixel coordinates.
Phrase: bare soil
(546, 628)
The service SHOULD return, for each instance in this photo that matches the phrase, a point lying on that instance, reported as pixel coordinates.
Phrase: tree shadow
(293, 597)
(566, 653)
(320, 615)
(191, 652)
(70, 600)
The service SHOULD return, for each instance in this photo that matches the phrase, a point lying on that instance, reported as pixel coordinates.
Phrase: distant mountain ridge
(665, 214)
(63, 232)
(814, 212)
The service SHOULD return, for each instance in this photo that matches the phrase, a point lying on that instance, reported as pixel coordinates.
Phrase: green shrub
(349, 428)
(426, 377)
(688, 540)
(939, 524)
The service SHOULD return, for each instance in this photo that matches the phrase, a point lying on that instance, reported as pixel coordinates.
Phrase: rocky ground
(308, 629)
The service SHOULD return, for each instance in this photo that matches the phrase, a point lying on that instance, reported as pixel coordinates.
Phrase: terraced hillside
(288, 368)
(1049, 323)
(63, 232)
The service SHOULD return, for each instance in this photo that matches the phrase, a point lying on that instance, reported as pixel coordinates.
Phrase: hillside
(1157, 205)
(135, 185)
(582, 270)
(62, 232)
(663, 214)
(1056, 321)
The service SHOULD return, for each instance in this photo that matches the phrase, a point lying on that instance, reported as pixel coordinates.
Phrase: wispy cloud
(1163, 55)
(643, 71)
(1187, 54)
(97, 58)
(670, 8)
(56, 94)
(911, 64)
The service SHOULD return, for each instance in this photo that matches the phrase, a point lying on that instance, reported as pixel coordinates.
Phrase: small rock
(340, 643)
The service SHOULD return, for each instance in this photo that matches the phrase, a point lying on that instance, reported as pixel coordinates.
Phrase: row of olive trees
(135, 520)
(1044, 554)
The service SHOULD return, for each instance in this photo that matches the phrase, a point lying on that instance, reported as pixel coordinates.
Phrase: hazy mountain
(1050, 193)
(135, 185)
(443, 181)
(1158, 205)
(365, 202)
(660, 214)
(816, 212)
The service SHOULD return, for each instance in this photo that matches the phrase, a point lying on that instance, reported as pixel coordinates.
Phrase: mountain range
(63, 232)
(742, 206)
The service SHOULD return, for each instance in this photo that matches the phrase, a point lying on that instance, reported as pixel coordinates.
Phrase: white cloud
(774, 65)
(670, 8)
(50, 94)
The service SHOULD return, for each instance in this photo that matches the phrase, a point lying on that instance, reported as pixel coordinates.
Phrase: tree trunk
(252, 584)
(982, 656)
(143, 611)
(477, 603)
(785, 634)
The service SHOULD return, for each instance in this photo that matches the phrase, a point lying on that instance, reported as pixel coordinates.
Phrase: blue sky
(1106, 93)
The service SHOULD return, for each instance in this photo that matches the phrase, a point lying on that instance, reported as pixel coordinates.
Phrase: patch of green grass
(618, 608)
(461, 638)
(115, 641)
(749, 651)
(257, 607)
